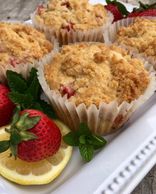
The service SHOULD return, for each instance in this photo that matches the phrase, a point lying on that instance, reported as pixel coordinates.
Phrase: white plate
(116, 169)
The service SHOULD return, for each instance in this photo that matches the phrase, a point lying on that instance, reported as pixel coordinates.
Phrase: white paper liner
(24, 68)
(65, 37)
(111, 32)
(102, 120)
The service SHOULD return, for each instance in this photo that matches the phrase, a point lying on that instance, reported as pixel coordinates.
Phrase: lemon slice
(35, 173)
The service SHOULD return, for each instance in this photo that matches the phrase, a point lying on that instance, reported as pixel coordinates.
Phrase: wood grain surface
(21, 10)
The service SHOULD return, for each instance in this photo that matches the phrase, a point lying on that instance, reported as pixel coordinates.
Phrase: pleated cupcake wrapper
(110, 37)
(102, 120)
(24, 68)
(65, 37)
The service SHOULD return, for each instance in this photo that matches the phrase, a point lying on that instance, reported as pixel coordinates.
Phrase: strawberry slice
(117, 9)
(144, 10)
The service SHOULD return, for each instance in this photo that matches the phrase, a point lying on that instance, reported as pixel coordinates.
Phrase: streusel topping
(72, 15)
(21, 43)
(96, 73)
(140, 35)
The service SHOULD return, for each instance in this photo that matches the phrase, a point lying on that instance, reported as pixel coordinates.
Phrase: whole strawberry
(144, 10)
(33, 136)
(6, 106)
(118, 10)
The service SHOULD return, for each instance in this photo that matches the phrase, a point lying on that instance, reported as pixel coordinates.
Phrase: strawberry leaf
(15, 137)
(122, 8)
(16, 82)
(85, 140)
(34, 87)
(24, 100)
(71, 139)
(32, 75)
(15, 117)
(13, 149)
(46, 108)
(86, 152)
(25, 122)
(83, 130)
(98, 141)
(4, 145)
(26, 136)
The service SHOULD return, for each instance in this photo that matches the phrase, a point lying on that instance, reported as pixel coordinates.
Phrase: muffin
(22, 47)
(72, 20)
(97, 84)
(138, 35)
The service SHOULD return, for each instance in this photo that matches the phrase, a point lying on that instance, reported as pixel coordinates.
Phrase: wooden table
(20, 10)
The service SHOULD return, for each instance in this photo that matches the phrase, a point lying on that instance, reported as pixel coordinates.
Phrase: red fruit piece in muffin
(67, 90)
(67, 4)
(68, 27)
(6, 106)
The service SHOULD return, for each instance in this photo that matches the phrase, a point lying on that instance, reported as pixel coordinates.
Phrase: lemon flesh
(35, 173)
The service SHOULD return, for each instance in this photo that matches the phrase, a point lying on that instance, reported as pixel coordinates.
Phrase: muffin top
(21, 43)
(95, 73)
(72, 15)
(140, 35)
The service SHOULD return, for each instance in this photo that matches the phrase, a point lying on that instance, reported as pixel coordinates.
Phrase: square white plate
(116, 169)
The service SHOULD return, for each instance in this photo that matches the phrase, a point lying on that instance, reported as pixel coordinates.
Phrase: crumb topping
(96, 73)
(72, 15)
(21, 43)
(140, 35)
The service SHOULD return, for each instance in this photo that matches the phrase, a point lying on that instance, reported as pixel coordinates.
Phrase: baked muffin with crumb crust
(140, 36)
(97, 73)
(97, 84)
(64, 18)
(21, 47)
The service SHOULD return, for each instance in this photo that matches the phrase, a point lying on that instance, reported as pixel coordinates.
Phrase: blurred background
(21, 9)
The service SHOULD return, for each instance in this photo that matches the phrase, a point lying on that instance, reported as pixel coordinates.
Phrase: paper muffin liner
(65, 37)
(102, 120)
(24, 68)
(110, 37)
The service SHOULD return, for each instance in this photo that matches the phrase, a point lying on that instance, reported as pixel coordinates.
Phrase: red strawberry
(34, 136)
(149, 12)
(144, 10)
(6, 106)
(114, 10)
(117, 9)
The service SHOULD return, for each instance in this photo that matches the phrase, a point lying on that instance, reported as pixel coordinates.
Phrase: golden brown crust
(140, 35)
(72, 14)
(21, 43)
(97, 73)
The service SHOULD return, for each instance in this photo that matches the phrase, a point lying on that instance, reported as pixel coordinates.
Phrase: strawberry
(118, 10)
(6, 106)
(33, 136)
(114, 10)
(144, 10)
